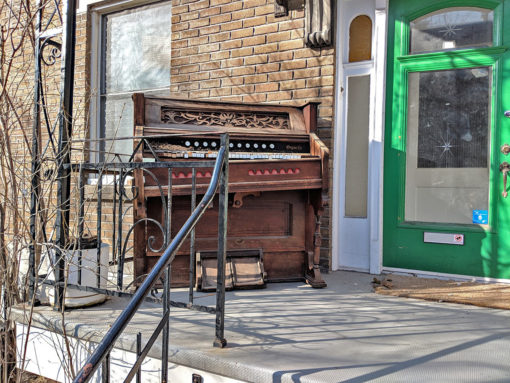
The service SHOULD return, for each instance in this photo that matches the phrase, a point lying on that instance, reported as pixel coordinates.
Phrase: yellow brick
(233, 62)
(278, 96)
(189, 16)
(199, 76)
(232, 81)
(266, 48)
(209, 30)
(280, 76)
(219, 37)
(214, 83)
(233, 6)
(199, 23)
(253, 3)
(179, 61)
(217, 92)
(280, 36)
(220, 73)
(256, 40)
(202, 40)
(209, 47)
(232, 25)
(199, 5)
(292, 84)
(220, 55)
(320, 81)
(306, 52)
(259, 59)
(209, 12)
(288, 45)
(180, 9)
(227, 45)
(221, 18)
(291, 24)
(255, 79)
(254, 21)
(265, 10)
(199, 58)
(243, 71)
(189, 34)
(268, 87)
(259, 97)
(265, 29)
(294, 64)
(210, 65)
(188, 68)
(243, 89)
(320, 61)
(246, 32)
(199, 94)
(265, 68)
(305, 93)
(327, 91)
(180, 27)
(280, 56)
(241, 52)
(244, 14)
(306, 73)
(327, 70)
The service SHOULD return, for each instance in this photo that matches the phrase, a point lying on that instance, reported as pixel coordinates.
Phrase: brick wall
(238, 51)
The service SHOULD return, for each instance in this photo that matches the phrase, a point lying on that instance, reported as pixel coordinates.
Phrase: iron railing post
(64, 146)
(220, 340)
(36, 161)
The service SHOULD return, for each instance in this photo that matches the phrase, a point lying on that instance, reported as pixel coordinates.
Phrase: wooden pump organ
(278, 182)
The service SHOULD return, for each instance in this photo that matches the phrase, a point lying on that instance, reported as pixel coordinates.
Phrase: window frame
(97, 12)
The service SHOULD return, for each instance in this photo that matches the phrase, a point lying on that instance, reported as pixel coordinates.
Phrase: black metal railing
(219, 181)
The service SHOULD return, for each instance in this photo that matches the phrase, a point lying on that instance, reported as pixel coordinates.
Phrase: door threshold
(437, 275)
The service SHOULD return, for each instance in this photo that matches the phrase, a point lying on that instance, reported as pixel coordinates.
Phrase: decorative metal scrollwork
(55, 51)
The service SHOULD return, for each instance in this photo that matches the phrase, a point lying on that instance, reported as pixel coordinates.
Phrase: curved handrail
(168, 256)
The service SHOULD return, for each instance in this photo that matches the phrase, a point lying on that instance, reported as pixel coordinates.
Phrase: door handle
(504, 168)
(505, 149)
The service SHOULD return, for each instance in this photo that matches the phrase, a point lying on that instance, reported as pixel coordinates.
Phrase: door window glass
(447, 172)
(356, 163)
(452, 28)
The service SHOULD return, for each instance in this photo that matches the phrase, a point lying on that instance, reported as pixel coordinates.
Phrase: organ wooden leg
(313, 274)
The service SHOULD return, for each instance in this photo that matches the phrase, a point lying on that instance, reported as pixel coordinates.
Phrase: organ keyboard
(278, 181)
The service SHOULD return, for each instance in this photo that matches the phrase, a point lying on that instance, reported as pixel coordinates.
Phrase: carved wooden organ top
(278, 180)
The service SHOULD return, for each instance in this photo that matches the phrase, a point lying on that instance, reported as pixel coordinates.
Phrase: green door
(448, 90)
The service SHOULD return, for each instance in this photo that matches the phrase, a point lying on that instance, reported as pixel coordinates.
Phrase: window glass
(452, 28)
(447, 155)
(356, 163)
(360, 39)
(136, 53)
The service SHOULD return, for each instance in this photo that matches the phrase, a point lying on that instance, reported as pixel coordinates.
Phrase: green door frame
(486, 251)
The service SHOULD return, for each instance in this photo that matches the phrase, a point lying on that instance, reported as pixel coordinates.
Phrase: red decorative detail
(181, 175)
(208, 174)
(199, 174)
(273, 172)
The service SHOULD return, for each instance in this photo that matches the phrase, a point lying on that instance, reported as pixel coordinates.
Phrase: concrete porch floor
(292, 333)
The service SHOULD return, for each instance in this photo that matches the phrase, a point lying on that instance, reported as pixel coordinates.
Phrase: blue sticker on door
(481, 217)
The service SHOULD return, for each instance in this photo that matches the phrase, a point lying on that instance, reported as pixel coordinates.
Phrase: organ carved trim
(226, 119)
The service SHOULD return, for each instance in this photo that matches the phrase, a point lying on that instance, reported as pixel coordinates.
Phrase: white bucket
(79, 298)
